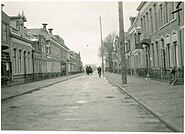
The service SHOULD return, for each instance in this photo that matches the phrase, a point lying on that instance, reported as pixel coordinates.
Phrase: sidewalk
(165, 99)
(8, 92)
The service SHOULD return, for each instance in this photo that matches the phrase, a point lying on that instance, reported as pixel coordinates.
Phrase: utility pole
(101, 46)
(122, 43)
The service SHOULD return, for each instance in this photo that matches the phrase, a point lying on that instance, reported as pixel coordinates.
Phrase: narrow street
(85, 103)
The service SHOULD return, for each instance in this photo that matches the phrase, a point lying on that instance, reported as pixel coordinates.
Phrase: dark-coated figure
(99, 71)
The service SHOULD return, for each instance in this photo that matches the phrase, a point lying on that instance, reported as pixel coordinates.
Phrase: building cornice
(20, 38)
(140, 6)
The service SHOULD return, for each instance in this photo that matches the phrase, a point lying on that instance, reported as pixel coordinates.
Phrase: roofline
(20, 38)
(15, 17)
(18, 17)
(51, 38)
(140, 6)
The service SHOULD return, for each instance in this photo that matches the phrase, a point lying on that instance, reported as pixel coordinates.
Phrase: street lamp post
(101, 46)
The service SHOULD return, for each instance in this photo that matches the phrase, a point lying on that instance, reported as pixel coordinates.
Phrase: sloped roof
(61, 41)
(47, 35)
(41, 31)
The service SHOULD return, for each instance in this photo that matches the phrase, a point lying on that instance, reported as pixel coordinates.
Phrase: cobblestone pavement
(85, 103)
(166, 99)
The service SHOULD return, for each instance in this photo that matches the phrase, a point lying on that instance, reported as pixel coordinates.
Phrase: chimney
(50, 30)
(2, 5)
(44, 25)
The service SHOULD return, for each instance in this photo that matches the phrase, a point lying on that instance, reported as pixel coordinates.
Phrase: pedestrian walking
(172, 74)
(86, 70)
(99, 71)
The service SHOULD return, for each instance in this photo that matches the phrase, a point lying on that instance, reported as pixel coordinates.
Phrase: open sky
(77, 22)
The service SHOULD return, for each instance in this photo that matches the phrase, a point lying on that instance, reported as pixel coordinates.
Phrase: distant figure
(89, 70)
(172, 74)
(172, 71)
(99, 71)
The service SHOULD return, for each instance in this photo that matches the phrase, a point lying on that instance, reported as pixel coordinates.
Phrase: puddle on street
(82, 101)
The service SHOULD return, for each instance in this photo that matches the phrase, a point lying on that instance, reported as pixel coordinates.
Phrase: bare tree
(108, 50)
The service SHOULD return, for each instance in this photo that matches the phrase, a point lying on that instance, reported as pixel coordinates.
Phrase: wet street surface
(85, 103)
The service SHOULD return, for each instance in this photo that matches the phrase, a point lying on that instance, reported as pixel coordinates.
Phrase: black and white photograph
(92, 66)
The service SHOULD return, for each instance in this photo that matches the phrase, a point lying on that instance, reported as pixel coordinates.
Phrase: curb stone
(165, 121)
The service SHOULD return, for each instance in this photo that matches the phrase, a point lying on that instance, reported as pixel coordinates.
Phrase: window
(139, 37)
(151, 20)
(147, 56)
(5, 32)
(153, 55)
(172, 9)
(28, 62)
(43, 46)
(166, 11)
(161, 15)
(157, 51)
(175, 53)
(144, 24)
(129, 47)
(147, 24)
(163, 54)
(155, 16)
(19, 61)
(47, 49)
(14, 61)
(135, 36)
(24, 61)
(168, 55)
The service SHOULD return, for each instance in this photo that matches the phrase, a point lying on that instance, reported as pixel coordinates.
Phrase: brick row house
(162, 48)
(53, 53)
(5, 46)
(75, 64)
(33, 54)
(20, 48)
(155, 40)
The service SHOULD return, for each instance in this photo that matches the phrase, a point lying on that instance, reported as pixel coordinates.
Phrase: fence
(153, 73)
(24, 78)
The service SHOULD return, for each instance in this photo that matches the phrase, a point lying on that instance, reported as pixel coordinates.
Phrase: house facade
(63, 55)
(160, 38)
(39, 56)
(21, 49)
(54, 52)
(6, 71)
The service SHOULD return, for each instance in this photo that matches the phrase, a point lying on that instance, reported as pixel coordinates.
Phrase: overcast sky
(76, 22)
